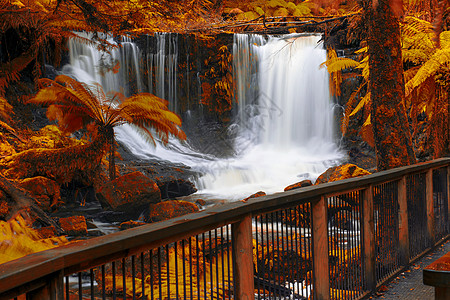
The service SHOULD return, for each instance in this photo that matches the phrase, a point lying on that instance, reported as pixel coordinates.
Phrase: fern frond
(364, 65)
(340, 63)
(416, 56)
(444, 39)
(364, 102)
(5, 109)
(429, 68)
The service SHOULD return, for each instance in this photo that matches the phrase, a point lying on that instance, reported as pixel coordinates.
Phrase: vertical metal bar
(241, 234)
(67, 288)
(430, 206)
(133, 275)
(190, 269)
(168, 271)
(211, 278)
(283, 239)
(229, 259)
(159, 272)
(296, 224)
(183, 255)
(204, 264)
(217, 263)
(258, 287)
(198, 268)
(150, 254)
(80, 287)
(223, 262)
(269, 255)
(91, 277)
(143, 275)
(113, 267)
(177, 293)
(124, 279)
(103, 283)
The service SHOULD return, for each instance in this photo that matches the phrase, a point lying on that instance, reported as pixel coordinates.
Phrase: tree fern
(76, 105)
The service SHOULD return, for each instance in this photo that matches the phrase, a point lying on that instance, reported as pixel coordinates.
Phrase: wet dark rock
(172, 179)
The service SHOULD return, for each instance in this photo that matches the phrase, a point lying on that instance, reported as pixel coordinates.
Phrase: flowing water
(283, 130)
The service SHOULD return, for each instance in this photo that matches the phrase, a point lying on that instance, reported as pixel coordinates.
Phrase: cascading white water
(285, 117)
(284, 122)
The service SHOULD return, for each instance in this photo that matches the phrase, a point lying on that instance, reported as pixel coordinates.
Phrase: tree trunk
(390, 125)
(24, 201)
(112, 151)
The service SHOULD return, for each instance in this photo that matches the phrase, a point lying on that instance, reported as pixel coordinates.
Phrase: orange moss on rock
(4, 209)
(47, 232)
(298, 185)
(170, 209)
(255, 195)
(45, 191)
(129, 193)
(130, 224)
(341, 172)
(75, 225)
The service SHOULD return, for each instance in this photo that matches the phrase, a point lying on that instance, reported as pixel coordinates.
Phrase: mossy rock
(341, 172)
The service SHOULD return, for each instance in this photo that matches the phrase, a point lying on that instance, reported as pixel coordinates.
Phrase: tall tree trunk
(391, 131)
(112, 151)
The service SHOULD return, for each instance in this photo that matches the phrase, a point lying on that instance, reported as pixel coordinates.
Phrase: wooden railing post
(242, 243)
(448, 194)
(430, 206)
(320, 249)
(369, 239)
(53, 290)
(403, 230)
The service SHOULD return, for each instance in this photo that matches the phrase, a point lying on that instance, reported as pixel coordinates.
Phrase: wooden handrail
(96, 251)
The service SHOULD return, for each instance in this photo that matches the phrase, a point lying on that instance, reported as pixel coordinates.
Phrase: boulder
(75, 225)
(255, 195)
(130, 224)
(47, 232)
(298, 185)
(130, 193)
(176, 188)
(341, 172)
(170, 209)
(46, 192)
(4, 206)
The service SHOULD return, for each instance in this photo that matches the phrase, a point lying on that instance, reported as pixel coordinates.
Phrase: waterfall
(285, 117)
(283, 129)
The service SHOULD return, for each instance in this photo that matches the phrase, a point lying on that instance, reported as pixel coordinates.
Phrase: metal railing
(337, 240)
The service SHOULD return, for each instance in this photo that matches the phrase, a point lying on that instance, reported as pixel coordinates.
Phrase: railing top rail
(93, 252)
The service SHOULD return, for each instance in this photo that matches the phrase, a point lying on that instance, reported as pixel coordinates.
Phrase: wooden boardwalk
(408, 285)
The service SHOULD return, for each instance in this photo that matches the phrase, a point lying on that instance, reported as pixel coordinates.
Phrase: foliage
(426, 73)
(39, 28)
(19, 239)
(219, 96)
(360, 99)
(76, 105)
(428, 82)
